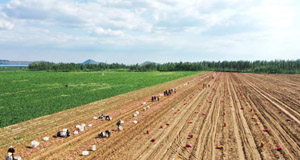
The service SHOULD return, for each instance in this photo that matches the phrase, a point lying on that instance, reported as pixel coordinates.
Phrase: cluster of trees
(67, 67)
(277, 66)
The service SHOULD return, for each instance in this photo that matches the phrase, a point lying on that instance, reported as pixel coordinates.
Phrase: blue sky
(133, 31)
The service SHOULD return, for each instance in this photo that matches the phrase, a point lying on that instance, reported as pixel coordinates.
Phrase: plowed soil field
(237, 116)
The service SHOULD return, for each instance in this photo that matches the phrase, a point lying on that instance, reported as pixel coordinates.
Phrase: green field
(27, 95)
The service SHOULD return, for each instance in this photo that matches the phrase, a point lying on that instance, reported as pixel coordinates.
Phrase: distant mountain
(147, 62)
(90, 61)
(3, 61)
(298, 59)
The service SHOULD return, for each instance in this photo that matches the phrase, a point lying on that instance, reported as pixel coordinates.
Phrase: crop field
(27, 95)
(211, 116)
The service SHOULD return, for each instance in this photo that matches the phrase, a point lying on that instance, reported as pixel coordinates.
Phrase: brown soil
(227, 121)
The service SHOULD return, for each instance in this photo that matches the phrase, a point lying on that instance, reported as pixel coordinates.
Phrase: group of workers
(169, 92)
(155, 98)
(106, 134)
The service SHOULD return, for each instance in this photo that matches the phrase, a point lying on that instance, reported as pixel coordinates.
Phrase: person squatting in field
(64, 133)
(105, 134)
(10, 153)
(107, 117)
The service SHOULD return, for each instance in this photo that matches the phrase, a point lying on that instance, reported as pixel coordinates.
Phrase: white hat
(11, 147)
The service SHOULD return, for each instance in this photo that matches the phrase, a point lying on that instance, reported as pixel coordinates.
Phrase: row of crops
(27, 95)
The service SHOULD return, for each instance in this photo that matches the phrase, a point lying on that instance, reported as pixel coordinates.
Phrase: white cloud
(67, 13)
(231, 27)
(274, 14)
(101, 31)
(4, 24)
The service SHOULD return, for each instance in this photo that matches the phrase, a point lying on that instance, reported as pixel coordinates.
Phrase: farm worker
(58, 133)
(11, 150)
(10, 153)
(108, 133)
(107, 117)
(102, 135)
(157, 98)
(118, 123)
(68, 133)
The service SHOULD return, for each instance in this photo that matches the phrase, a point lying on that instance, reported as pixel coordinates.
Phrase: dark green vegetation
(67, 67)
(236, 66)
(279, 66)
(13, 69)
(27, 95)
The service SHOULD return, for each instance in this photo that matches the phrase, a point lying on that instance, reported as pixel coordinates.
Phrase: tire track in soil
(283, 138)
(161, 146)
(289, 98)
(240, 152)
(187, 127)
(139, 139)
(196, 128)
(209, 146)
(255, 127)
(248, 141)
(181, 139)
(156, 153)
(218, 132)
(291, 84)
(229, 136)
(272, 122)
(272, 99)
(210, 154)
(263, 136)
(200, 139)
(193, 154)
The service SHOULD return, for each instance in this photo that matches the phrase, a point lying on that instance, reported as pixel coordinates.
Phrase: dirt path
(241, 154)
(249, 143)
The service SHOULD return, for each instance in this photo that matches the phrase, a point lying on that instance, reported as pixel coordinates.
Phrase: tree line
(68, 67)
(277, 66)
